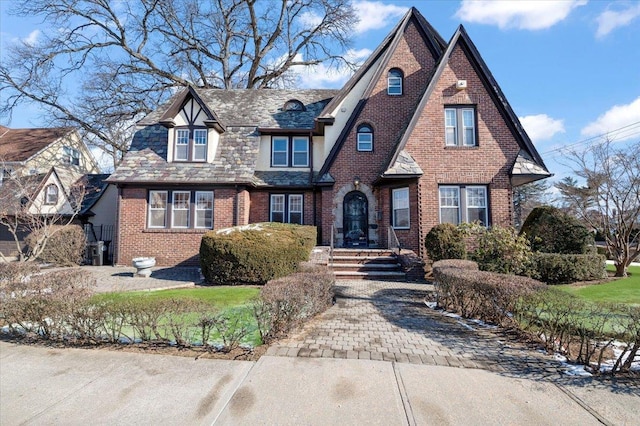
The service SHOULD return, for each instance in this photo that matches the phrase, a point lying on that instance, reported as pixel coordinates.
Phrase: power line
(614, 132)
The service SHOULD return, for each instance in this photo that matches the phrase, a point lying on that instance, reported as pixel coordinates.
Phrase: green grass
(232, 302)
(624, 290)
(221, 297)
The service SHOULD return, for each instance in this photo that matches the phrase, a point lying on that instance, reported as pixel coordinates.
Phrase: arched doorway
(355, 219)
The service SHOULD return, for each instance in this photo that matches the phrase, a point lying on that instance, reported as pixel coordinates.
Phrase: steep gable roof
(384, 51)
(461, 38)
(22, 144)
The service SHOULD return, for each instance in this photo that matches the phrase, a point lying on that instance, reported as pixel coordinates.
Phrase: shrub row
(554, 268)
(583, 331)
(488, 296)
(59, 306)
(288, 301)
(254, 254)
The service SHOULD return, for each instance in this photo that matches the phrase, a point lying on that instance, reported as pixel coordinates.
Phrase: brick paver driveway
(389, 321)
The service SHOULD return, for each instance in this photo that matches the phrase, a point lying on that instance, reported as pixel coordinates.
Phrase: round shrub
(65, 247)
(445, 241)
(555, 268)
(550, 230)
(501, 249)
(254, 254)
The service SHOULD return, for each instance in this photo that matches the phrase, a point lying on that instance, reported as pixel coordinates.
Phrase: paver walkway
(389, 321)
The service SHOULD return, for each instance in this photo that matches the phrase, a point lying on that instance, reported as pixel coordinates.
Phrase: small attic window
(293, 105)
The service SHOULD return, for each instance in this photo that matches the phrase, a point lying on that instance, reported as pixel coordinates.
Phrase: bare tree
(24, 210)
(609, 201)
(527, 197)
(106, 64)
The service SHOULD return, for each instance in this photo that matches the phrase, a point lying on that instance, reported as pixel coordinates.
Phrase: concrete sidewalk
(74, 386)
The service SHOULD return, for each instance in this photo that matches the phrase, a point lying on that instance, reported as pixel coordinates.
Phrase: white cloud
(321, 76)
(609, 20)
(375, 15)
(523, 15)
(32, 38)
(618, 122)
(541, 127)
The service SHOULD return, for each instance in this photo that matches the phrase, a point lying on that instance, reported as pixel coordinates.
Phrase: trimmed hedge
(445, 241)
(254, 254)
(455, 263)
(488, 296)
(550, 230)
(554, 268)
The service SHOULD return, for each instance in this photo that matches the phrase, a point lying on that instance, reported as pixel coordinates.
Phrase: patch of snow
(431, 305)
(571, 369)
(464, 324)
(250, 227)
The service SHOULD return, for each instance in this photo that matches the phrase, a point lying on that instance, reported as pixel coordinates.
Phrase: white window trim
(286, 151)
(301, 212)
(463, 207)
(56, 193)
(393, 208)
(197, 210)
(293, 154)
(271, 204)
(399, 78)
(176, 144)
(440, 206)
(486, 202)
(459, 126)
(174, 209)
(359, 133)
(166, 198)
(205, 144)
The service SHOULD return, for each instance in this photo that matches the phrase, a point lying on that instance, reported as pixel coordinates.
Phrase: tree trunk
(621, 269)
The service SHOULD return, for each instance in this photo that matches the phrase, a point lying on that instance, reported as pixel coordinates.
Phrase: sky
(570, 69)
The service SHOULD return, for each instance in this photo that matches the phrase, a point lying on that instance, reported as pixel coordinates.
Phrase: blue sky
(570, 69)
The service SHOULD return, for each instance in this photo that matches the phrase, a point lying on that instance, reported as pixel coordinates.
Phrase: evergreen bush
(445, 241)
(550, 230)
(554, 268)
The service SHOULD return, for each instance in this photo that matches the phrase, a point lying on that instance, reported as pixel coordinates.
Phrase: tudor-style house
(420, 135)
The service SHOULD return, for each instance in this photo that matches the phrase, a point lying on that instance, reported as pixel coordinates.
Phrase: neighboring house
(421, 134)
(98, 213)
(39, 169)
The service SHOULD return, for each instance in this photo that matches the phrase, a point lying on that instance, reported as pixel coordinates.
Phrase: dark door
(355, 214)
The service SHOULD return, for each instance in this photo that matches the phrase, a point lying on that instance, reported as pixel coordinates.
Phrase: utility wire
(614, 132)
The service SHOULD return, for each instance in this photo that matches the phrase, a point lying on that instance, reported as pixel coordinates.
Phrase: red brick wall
(489, 163)
(388, 115)
(169, 246)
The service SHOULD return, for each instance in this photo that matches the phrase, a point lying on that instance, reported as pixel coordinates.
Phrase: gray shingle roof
(405, 165)
(241, 112)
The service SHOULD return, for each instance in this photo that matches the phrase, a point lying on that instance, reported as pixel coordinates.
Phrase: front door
(355, 222)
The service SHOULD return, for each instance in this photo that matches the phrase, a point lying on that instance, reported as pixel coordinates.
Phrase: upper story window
(293, 105)
(289, 151)
(190, 145)
(71, 156)
(394, 82)
(460, 126)
(463, 204)
(365, 138)
(51, 195)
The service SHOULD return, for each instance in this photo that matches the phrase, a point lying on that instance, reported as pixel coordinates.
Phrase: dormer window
(51, 195)
(293, 105)
(289, 151)
(394, 82)
(190, 145)
(71, 156)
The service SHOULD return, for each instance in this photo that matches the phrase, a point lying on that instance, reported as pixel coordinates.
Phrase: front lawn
(230, 302)
(623, 290)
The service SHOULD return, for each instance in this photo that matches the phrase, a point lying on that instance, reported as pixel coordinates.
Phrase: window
(71, 156)
(394, 82)
(463, 204)
(180, 206)
(204, 210)
(175, 209)
(290, 152)
(286, 208)
(51, 195)
(191, 145)
(400, 206)
(460, 126)
(293, 105)
(365, 138)
(157, 209)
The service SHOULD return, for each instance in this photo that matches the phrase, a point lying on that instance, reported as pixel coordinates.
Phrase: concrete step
(364, 259)
(370, 275)
(365, 267)
(362, 252)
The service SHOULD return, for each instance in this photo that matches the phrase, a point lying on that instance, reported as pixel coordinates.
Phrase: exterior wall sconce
(356, 182)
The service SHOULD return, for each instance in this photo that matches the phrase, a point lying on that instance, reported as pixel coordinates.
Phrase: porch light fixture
(356, 182)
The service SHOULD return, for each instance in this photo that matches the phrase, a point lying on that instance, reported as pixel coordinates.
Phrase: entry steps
(366, 264)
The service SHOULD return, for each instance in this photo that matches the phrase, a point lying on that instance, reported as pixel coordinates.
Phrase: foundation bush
(445, 241)
(65, 248)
